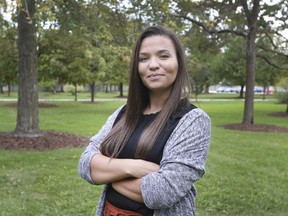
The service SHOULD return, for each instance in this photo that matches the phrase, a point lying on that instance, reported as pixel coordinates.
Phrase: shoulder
(116, 114)
(194, 119)
(196, 113)
(111, 120)
(193, 130)
(187, 113)
(191, 112)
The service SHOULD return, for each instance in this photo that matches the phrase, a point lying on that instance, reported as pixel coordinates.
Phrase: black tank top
(154, 155)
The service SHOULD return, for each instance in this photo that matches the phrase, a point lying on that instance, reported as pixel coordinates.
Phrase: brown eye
(143, 59)
(164, 57)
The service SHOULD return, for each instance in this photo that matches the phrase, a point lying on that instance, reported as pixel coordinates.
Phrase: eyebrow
(159, 51)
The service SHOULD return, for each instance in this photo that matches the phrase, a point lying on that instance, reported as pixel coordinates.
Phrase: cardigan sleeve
(182, 164)
(93, 147)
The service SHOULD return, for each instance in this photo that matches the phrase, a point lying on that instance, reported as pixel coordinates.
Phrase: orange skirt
(111, 210)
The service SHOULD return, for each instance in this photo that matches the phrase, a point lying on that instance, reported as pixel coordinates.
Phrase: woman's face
(158, 64)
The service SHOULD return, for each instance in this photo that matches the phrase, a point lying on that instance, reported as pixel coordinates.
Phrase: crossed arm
(183, 163)
(124, 174)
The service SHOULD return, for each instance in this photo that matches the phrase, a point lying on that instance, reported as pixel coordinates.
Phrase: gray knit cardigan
(171, 191)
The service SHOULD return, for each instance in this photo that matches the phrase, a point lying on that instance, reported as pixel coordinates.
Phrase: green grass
(66, 95)
(115, 94)
(234, 96)
(76, 117)
(246, 172)
(44, 183)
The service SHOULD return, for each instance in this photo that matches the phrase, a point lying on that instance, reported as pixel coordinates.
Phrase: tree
(87, 33)
(283, 96)
(117, 51)
(199, 76)
(229, 65)
(8, 57)
(117, 69)
(27, 107)
(105, 33)
(201, 49)
(247, 19)
(51, 69)
(266, 76)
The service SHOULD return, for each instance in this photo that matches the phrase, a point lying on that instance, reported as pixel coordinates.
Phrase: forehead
(157, 42)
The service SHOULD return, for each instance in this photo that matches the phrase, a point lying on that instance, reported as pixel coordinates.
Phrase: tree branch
(211, 31)
(272, 51)
(245, 7)
(271, 63)
(255, 9)
(266, 35)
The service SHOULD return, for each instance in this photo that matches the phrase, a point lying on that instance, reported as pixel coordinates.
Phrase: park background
(78, 57)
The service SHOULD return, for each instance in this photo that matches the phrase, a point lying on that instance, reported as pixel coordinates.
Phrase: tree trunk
(9, 89)
(121, 89)
(62, 87)
(92, 89)
(242, 91)
(264, 92)
(206, 91)
(75, 92)
(27, 108)
(250, 80)
(251, 16)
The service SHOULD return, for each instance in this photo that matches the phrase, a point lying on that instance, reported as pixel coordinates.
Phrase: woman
(150, 152)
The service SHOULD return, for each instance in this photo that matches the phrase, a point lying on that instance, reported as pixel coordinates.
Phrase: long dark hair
(138, 100)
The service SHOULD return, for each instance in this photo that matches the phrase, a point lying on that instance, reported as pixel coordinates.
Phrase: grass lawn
(246, 172)
(115, 94)
(66, 95)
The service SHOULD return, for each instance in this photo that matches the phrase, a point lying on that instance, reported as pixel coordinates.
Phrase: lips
(154, 75)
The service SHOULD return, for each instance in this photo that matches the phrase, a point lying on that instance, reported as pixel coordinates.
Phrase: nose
(154, 65)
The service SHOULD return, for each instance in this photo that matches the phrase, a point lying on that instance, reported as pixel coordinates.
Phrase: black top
(154, 155)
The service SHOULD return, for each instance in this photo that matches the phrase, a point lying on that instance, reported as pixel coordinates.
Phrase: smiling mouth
(154, 75)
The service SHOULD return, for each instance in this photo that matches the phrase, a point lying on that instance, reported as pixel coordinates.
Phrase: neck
(157, 102)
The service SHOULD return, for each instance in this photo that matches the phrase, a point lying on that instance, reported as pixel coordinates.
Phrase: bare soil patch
(260, 127)
(279, 114)
(256, 128)
(49, 140)
(41, 105)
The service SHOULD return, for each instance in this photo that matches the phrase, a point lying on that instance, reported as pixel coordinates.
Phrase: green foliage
(201, 50)
(266, 75)
(230, 64)
(80, 41)
(49, 85)
(89, 42)
(8, 56)
(283, 95)
(199, 77)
